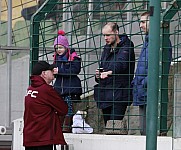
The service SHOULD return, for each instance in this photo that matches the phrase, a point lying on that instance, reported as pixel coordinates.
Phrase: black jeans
(46, 147)
(115, 112)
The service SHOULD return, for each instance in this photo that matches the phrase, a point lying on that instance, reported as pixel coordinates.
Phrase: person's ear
(43, 73)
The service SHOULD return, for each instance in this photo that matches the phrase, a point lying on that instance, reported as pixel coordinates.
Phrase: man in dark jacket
(141, 76)
(43, 107)
(113, 92)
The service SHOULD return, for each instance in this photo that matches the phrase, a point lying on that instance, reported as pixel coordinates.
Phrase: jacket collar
(123, 39)
(146, 38)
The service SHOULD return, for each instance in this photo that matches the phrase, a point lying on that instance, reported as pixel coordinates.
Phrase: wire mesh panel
(22, 11)
(167, 91)
(82, 22)
(36, 24)
(177, 106)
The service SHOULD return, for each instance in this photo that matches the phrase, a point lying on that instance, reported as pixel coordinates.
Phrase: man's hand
(55, 70)
(105, 74)
(102, 75)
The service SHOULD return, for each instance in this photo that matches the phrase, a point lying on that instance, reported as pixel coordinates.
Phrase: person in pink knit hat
(67, 82)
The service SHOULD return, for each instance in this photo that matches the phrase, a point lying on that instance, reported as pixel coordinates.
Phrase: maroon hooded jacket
(43, 106)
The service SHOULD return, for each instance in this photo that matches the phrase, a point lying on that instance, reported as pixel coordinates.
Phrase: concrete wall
(101, 141)
(114, 142)
(20, 80)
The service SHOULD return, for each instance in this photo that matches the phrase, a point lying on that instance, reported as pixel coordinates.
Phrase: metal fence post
(153, 74)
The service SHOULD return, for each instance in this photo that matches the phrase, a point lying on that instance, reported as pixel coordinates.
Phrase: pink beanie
(61, 39)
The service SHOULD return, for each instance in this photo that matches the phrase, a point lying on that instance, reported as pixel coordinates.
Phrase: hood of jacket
(123, 37)
(37, 81)
(123, 40)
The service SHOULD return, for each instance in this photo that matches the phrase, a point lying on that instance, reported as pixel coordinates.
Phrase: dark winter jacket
(69, 66)
(116, 88)
(141, 76)
(43, 107)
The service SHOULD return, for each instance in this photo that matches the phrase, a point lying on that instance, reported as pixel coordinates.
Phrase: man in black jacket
(113, 92)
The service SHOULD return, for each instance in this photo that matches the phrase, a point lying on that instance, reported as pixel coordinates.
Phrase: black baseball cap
(42, 66)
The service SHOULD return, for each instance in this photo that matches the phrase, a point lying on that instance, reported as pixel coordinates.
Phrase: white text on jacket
(32, 93)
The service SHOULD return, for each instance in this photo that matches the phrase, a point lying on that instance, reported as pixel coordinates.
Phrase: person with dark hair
(67, 82)
(113, 92)
(43, 108)
(141, 76)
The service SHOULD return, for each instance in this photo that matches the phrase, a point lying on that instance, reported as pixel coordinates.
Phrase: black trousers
(115, 112)
(46, 147)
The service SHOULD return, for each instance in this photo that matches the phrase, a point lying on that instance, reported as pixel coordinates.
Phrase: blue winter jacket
(116, 88)
(141, 76)
(67, 82)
